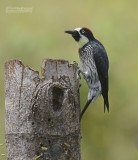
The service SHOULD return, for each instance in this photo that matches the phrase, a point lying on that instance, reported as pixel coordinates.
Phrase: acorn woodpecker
(95, 64)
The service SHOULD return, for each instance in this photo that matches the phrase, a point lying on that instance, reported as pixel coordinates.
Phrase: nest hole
(49, 119)
(58, 96)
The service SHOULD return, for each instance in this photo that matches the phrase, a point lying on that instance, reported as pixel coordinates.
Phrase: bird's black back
(102, 65)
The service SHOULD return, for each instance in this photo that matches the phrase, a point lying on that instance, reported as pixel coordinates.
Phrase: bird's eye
(82, 31)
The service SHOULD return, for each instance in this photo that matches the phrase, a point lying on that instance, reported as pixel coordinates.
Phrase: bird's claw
(78, 69)
(76, 65)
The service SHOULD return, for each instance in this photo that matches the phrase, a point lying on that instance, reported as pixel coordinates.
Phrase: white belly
(92, 80)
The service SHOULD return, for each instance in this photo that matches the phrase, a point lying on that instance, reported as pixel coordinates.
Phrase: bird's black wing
(102, 65)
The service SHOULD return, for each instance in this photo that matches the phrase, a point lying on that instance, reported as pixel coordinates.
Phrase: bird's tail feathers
(106, 103)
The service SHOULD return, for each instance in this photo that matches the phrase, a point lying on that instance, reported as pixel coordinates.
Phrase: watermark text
(19, 9)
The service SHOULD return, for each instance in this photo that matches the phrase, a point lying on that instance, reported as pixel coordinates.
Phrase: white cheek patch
(83, 40)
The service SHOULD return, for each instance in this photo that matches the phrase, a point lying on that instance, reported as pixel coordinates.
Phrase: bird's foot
(76, 65)
(78, 69)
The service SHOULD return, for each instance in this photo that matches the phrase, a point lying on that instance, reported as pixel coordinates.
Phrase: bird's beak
(70, 32)
(75, 34)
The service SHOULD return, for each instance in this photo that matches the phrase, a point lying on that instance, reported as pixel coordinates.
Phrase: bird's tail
(106, 103)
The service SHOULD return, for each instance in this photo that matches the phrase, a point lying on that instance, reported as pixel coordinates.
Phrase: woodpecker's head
(81, 35)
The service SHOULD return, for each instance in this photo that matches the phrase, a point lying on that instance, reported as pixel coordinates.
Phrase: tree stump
(42, 114)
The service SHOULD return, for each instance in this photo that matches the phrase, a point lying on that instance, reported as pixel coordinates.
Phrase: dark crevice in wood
(58, 96)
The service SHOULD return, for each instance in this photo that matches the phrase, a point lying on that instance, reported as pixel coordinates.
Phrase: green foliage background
(31, 37)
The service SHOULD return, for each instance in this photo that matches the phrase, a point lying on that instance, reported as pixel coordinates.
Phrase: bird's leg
(84, 109)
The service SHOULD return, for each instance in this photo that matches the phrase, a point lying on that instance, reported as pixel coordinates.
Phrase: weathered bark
(42, 115)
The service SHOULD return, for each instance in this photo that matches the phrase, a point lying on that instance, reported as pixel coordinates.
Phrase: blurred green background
(31, 37)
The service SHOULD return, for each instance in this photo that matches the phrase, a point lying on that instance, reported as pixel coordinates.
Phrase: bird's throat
(82, 41)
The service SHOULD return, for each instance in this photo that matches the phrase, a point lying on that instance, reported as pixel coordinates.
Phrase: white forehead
(78, 29)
